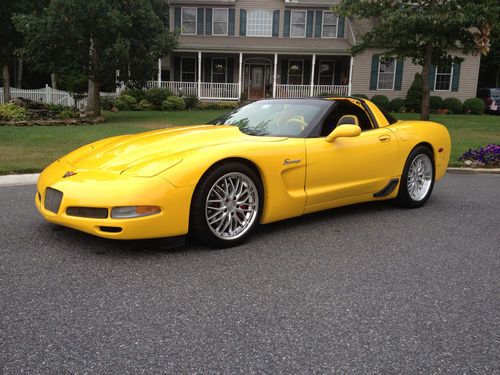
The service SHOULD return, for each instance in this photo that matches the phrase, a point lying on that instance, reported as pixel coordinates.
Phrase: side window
(344, 108)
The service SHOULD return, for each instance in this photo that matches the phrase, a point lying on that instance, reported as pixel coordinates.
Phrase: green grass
(30, 149)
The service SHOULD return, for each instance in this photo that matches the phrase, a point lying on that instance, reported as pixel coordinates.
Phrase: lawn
(30, 149)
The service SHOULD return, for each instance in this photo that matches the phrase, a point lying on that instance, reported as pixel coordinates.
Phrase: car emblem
(288, 161)
(69, 174)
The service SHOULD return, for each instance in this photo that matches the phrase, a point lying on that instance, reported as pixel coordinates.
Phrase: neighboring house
(231, 49)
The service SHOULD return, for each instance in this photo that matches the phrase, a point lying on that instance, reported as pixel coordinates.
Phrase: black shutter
(399, 74)
(341, 27)
(230, 70)
(208, 21)
(455, 82)
(276, 23)
(374, 72)
(318, 24)
(177, 68)
(177, 18)
(309, 23)
(286, 26)
(200, 19)
(230, 27)
(243, 22)
(284, 71)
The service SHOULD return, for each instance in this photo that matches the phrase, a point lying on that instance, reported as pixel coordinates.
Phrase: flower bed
(482, 157)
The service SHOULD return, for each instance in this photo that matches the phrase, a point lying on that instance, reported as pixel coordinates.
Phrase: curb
(30, 179)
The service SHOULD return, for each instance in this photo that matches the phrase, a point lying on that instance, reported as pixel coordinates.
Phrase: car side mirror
(343, 131)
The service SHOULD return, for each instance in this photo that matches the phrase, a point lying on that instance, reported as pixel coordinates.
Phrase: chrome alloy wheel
(420, 177)
(231, 206)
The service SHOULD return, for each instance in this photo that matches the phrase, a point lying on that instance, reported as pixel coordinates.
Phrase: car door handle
(384, 138)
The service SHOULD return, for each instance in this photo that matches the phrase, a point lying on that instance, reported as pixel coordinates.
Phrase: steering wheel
(296, 122)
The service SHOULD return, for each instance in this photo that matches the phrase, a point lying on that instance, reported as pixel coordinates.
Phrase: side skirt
(388, 189)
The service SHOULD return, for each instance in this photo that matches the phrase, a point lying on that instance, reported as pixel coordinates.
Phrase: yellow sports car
(267, 161)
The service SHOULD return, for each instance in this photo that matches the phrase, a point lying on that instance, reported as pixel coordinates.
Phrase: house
(233, 49)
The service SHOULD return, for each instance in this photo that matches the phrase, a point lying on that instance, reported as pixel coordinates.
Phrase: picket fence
(50, 95)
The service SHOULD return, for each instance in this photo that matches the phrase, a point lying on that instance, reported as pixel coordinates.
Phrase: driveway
(364, 289)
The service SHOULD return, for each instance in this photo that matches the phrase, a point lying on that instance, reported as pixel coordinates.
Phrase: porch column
(199, 74)
(349, 90)
(311, 93)
(159, 72)
(239, 75)
(274, 74)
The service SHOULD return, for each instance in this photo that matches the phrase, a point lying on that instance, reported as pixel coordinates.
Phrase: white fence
(49, 95)
(304, 91)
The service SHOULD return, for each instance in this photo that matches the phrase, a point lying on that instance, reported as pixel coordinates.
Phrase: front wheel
(418, 178)
(226, 206)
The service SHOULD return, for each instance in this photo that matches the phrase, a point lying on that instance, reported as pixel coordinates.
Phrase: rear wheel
(226, 205)
(418, 178)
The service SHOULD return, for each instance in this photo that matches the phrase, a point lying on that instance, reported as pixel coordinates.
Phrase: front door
(256, 82)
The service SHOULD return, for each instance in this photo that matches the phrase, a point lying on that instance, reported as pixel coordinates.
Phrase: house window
(219, 69)
(298, 28)
(188, 19)
(326, 72)
(329, 25)
(443, 78)
(220, 17)
(260, 23)
(386, 73)
(295, 72)
(188, 69)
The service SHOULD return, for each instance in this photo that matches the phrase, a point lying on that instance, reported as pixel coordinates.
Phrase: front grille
(53, 200)
(91, 212)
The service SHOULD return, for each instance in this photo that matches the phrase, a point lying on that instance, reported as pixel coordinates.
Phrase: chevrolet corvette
(267, 161)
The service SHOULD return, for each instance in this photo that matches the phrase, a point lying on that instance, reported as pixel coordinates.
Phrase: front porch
(237, 76)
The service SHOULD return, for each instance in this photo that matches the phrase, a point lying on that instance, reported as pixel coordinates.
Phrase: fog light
(128, 212)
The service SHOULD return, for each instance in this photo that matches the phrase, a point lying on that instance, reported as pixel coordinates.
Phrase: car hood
(150, 153)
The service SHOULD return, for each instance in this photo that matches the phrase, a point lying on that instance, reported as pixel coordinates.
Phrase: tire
(226, 205)
(413, 192)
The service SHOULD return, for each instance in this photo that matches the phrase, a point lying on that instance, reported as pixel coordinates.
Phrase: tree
(489, 73)
(96, 38)
(425, 30)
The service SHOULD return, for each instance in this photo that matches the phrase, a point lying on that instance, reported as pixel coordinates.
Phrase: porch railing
(219, 91)
(304, 91)
(340, 90)
(178, 88)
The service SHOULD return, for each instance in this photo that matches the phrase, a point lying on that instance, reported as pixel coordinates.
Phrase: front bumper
(98, 189)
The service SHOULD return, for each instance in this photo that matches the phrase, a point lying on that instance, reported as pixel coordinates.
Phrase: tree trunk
(6, 83)
(97, 98)
(53, 80)
(426, 91)
(90, 97)
(19, 77)
(93, 96)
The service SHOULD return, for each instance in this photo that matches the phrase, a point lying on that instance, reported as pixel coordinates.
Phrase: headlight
(128, 212)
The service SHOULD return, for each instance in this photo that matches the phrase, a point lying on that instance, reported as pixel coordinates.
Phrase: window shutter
(243, 22)
(309, 23)
(177, 18)
(341, 27)
(455, 82)
(230, 27)
(177, 68)
(230, 69)
(374, 73)
(208, 21)
(399, 74)
(284, 71)
(200, 19)
(276, 23)
(319, 24)
(432, 76)
(286, 26)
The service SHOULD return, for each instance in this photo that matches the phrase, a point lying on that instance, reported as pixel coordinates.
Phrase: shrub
(413, 100)
(136, 93)
(475, 106)
(68, 113)
(453, 105)
(361, 96)
(12, 112)
(436, 102)
(397, 105)
(54, 110)
(381, 101)
(219, 105)
(126, 103)
(107, 102)
(173, 103)
(144, 105)
(157, 96)
(488, 156)
(191, 101)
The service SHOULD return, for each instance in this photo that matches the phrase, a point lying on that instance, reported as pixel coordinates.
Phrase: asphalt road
(359, 290)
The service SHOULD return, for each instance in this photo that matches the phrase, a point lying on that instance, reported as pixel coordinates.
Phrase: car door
(349, 166)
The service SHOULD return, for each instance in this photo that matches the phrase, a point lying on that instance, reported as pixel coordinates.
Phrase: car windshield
(276, 117)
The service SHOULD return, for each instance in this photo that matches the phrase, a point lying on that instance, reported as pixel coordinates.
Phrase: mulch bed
(55, 122)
